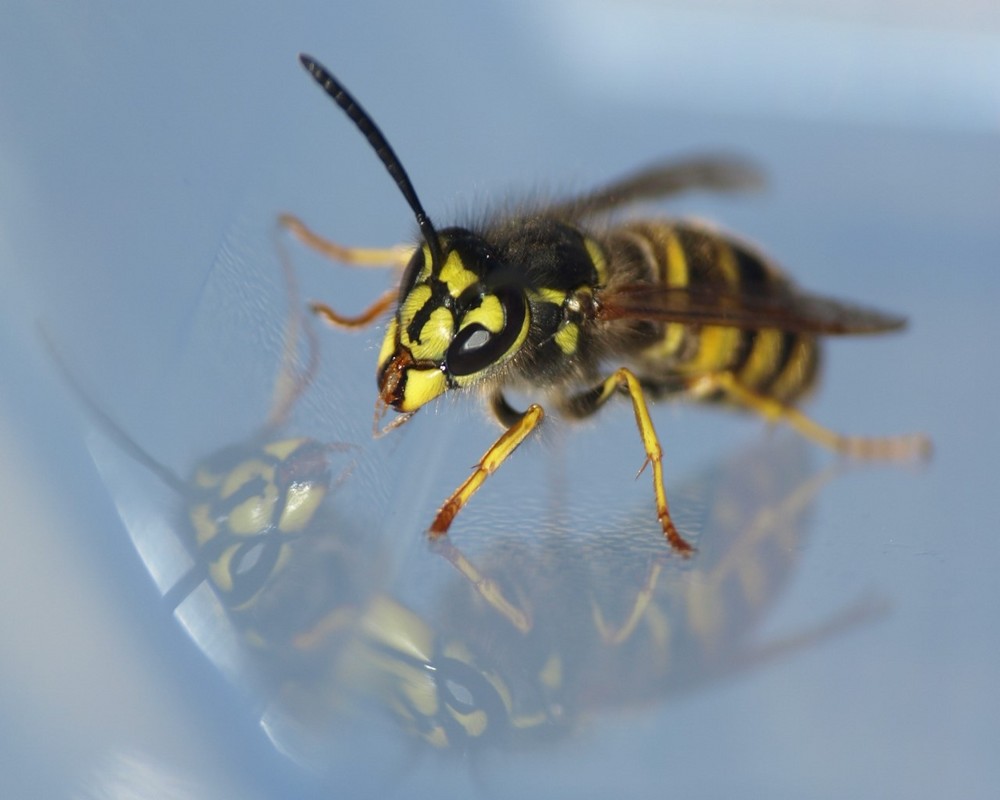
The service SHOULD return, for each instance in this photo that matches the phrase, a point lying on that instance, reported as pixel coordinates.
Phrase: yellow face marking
(225, 562)
(599, 261)
(412, 303)
(242, 474)
(283, 449)
(419, 690)
(389, 343)
(221, 572)
(435, 336)
(473, 722)
(390, 624)
(455, 276)
(301, 503)
(255, 513)
(489, 314)
(422, 386)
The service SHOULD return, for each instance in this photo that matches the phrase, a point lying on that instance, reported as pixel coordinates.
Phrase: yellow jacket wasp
(546, 297)
(252, 512)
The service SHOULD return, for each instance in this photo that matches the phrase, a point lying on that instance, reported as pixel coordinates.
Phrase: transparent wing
(773, 306)
(715, 173)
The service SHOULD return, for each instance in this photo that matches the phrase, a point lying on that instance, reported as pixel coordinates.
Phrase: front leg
(588, 402)
(518, 428)
(355, 256)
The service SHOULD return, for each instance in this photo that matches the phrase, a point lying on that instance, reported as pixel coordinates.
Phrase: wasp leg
(487, 588)
(895, 448)
(615, 636)
(588, 402)
(744, 568)
(366, 317)
(357, 256)
(493, 458)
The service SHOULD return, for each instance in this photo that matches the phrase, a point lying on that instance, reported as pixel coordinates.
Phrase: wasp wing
(717, 173)
(777, 306)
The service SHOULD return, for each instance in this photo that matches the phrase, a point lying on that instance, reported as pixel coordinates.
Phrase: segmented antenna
(382, 148)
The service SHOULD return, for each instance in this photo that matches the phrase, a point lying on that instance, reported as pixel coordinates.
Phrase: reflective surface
(832, 637)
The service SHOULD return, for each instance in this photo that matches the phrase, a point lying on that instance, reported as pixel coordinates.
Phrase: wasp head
(456, 322)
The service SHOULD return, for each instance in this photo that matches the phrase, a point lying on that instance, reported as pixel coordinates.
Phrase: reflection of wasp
(542, 297)
(460, 676)
(251, 509)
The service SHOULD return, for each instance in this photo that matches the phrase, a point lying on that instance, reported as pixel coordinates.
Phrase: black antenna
(343, 98)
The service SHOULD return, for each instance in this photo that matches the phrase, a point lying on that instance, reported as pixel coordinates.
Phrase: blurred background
(145, 154)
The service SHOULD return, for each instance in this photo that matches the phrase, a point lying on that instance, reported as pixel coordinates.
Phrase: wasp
(605, 633)
(559, 298)
(251, 513)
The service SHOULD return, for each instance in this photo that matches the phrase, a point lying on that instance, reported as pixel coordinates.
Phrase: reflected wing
(776, 306)
(717, 173)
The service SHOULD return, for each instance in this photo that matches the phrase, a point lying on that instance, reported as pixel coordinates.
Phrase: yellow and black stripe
(779, 364)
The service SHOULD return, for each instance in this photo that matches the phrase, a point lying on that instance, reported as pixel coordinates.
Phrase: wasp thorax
(455, 322)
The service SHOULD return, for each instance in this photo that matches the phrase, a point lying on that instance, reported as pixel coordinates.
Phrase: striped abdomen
(770, 361)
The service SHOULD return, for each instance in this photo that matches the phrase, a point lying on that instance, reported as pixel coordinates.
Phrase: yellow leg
(492, 459)
(589, 402)
(487, 588)
(615, 636)
(357, 256)
(895, 448)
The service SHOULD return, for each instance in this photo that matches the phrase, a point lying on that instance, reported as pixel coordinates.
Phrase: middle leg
(588, 402)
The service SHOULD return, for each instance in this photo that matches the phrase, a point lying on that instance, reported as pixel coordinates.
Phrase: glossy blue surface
(145, 155)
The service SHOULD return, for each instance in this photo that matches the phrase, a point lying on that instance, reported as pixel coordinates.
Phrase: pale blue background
(143, 156)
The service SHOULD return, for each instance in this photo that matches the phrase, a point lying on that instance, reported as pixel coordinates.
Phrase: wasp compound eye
(497, 330)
